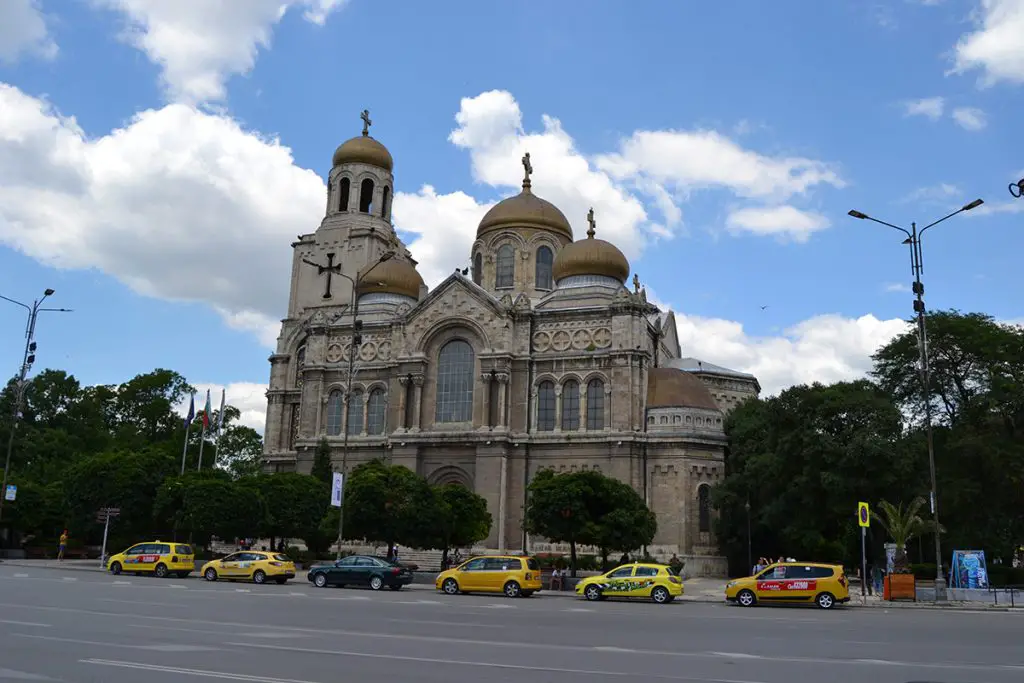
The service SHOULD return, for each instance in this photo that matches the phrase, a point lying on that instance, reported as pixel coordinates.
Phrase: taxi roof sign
(863, 515)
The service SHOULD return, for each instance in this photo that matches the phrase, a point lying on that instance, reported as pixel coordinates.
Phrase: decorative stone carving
(418, 380)
(335, 352)
(541, 341)
(403, 309)
(384, 350)
(602, 337)
(581, 339)
(367, 352)
(560, 340)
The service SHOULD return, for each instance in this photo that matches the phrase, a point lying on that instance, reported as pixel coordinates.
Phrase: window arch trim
(505, 266)
(455, 382)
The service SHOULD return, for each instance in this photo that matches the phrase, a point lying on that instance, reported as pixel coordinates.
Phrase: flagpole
(220, 427)
(202, 441)
(184, 449)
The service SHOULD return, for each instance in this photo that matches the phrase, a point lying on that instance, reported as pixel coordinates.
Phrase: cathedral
(545, 354)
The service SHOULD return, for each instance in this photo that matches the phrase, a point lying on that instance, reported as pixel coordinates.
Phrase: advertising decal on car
(787, 585)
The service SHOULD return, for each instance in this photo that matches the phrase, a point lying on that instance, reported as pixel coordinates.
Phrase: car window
(183, 549)
(820, 573)
(282, 558)
(646, 571)
(366, 562)
(474, 565)
(533, 564)
(233, 557)
(772, 573)
(135, 550)
(161, 549)
(621, 572)
(347, 562)
(147, 548)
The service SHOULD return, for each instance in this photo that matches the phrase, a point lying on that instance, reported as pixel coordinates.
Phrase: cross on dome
(365, 116)
(593, 223)
(528, 169)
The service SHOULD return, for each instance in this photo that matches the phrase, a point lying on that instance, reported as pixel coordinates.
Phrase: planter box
(900, 587)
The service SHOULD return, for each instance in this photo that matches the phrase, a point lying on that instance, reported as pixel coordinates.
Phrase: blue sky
(156, 160)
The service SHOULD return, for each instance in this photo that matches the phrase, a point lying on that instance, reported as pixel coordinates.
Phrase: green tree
(144, 407)
(322, 469)
(463, 518)
(207, 504)
(621, 519)
(389, 504)
(239, 450)
(295, 505)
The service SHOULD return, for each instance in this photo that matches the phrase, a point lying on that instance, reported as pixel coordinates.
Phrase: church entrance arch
(450, 474)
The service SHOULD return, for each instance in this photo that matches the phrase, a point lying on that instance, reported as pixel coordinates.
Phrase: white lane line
(352, 597)
(122, 583)
(736, 655)
(497, 606)
(191, 672)
(612, 648)
(301, 595)
(578, 609)
(21, 576)
(242, 590)
(70, 578)
(23, 623)
(177, 585)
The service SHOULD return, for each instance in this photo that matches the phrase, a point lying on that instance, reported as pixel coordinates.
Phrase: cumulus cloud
(996, 46)
(970, 118)
(199, 44)
(782, 221)
(931, 107)
(23, 31)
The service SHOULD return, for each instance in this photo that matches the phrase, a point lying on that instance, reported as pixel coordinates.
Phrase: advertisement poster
(336, 486)
(968, 569)
(890, 557)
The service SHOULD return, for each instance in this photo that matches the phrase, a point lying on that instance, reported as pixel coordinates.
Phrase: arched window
(344, 189)
(704, 508)
(595, 404)
(355, 413)
(300, 362)
(478, 268)
(545, 406)
(334, 413)
(542, 273)
(385, 202)
(375, 408)
(366, 196)
(571, 406)
(506, 266)
(455, 373)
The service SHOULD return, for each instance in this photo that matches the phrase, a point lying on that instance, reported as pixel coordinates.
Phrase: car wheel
(376, 583)
(320, 580)
(210, 574)
(592, 592)
(161, 571)
(259, 576)
(115, 568)
(450, 586)
(746, 598)
(281, 581)
(512, 589)
(660, 595)
(825, 600)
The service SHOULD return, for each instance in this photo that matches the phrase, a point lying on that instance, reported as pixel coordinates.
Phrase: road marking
(175, 647)
(70, 578)
(122, 583)
(350, 597)
(612, 648)
(21, 576)
(147, 602)
(578, 609)
(497, 606)
(301, 595)
(192, 672)
(11, 674)
(23, 623)
(242, 590)
(177, 585)
(736, 655)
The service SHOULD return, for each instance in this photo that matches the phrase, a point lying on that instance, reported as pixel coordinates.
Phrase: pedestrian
(62, 546)
(675, 563)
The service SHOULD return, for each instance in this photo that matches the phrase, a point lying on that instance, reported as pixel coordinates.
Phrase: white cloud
(996, 47)
(199, 44)
(897, 287)
(783, 221)
(249, 397)
(941, 192)
(932, 107)
(970, 118)
(23, 31)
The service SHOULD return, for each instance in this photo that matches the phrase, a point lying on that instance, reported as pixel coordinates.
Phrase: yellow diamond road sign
(863, 515)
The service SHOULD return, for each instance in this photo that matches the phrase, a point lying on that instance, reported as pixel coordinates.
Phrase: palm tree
(903, 525)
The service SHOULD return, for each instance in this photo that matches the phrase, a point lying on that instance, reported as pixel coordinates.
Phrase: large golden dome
(394, 276)
(363, 149)
(525, 210)
(590, 257)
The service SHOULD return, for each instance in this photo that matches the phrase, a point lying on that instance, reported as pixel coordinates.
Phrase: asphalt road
(82, 627)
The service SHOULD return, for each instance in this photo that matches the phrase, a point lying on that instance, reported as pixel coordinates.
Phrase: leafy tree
(389, 504)
(623, 522)
(144, 406)
(322, 469)
(295, 504)
(557, 510)
(463, 518)
(239, 448)
(206, 504)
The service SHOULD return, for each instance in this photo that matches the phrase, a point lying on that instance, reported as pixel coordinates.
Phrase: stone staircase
(425, 560)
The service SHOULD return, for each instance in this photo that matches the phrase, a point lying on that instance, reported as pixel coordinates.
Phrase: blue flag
(191, 411)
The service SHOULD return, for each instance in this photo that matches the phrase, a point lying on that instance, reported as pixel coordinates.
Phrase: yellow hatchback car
(513, 575)
(159, 558)
(824, 585)
(658, 582)
(249, 565)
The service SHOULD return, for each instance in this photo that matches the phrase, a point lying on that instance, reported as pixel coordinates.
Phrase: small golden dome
(394, 276)
(590, 257)
(363, 149)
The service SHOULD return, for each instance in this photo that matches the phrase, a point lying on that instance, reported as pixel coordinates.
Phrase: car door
(644, 579)
(229, 566)
(148, 558)
(801, 583)
(616, 582)
(131, 557)
(471, 574)
(362, 570)
(343, 572)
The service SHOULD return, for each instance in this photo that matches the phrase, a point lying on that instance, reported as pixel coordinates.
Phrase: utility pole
(28, 358)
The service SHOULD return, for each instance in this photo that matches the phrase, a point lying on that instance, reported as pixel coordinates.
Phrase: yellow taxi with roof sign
(824, 585)
(251, 565)
(657, 582)
(159, 558)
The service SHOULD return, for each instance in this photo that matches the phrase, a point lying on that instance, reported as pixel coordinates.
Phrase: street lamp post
(917, 267)
(353, 349)
(1017, 188)
(28, 358)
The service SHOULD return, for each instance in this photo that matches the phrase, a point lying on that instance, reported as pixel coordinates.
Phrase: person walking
(62, 546)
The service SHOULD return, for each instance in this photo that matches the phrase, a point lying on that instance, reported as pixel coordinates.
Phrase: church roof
(697, 365)
(674, 388)
(364, 150)
(525, 210)
(394, 276)
(590, 257)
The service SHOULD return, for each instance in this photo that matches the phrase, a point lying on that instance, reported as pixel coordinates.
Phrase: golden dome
(525, 210)
(590, 257)
(673, 388)
(363, 149)
(394, 276)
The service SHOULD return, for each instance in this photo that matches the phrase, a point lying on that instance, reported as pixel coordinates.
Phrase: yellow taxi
(659, 582)
(513, 575)
(823, 585)
(159, 558)
(250, 565)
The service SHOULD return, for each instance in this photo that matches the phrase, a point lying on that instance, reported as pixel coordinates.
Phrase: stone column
(485, 380)
(503, 378)
(608, 407)
(558, 408)
(404, 384)
(366, 411)
(417, 402)
(321, 425)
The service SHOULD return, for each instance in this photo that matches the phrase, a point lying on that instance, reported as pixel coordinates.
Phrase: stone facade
(485, 380)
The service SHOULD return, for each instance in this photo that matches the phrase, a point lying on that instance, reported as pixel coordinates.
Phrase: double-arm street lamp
(917, 266)
(27, 359)
(357, 338)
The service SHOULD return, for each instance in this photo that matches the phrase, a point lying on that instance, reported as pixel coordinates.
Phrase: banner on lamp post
(336, 486)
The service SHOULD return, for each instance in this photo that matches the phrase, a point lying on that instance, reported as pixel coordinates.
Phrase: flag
(206, 411)
(191, 411)
(220, 416)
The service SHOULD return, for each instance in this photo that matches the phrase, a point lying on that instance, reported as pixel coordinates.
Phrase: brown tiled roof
(673, 388)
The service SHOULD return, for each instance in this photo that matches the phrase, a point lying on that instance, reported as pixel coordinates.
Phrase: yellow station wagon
(657, 582)
(824, 585)
(513, 575)
(159, 558)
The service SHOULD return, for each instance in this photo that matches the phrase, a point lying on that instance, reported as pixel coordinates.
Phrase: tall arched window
(478, 268)
(334, 413)
(355, 413)
(344, 189)
(506, 266)
(704, 508)
(366, 196)
(375, 408)
(455, 374)
(300, 362)
(571, 406)
(385, 202)
(542, 272)
(545, 406)
(595, 404)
